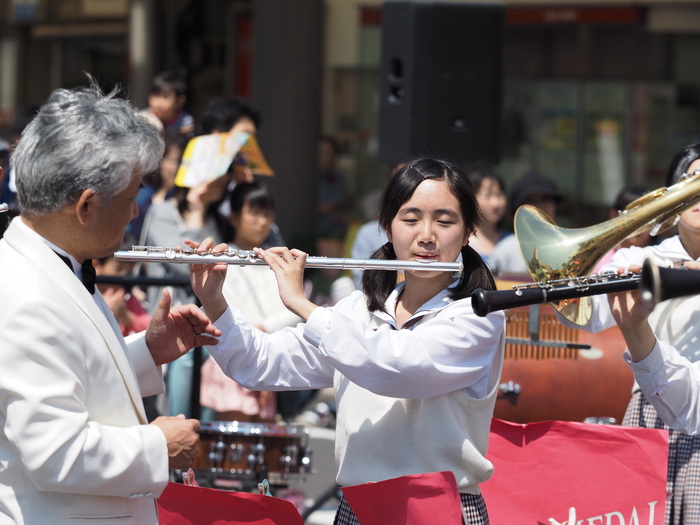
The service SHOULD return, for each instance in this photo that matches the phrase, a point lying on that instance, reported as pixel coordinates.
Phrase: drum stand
(332, 491)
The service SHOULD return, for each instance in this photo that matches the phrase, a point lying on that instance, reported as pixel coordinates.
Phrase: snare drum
(234, 453)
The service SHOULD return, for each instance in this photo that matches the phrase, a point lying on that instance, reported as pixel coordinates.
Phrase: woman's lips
(425, 257)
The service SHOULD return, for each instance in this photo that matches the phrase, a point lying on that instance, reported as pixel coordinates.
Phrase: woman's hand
(692, 265)
(288, 266)
(631, 316)
(208, 279)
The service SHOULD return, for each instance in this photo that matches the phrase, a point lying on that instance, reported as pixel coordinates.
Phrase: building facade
(595, 94)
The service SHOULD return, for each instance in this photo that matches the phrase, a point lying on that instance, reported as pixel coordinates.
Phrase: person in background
(159, 185)
(625, 197)
(194, 213)
(166, 102)
(235, 115)
(536, 190)
(126, 304)
(491, 194)
(334, 202)
(674, 324)
(229, 115)
(254, 289)
(74, 439)
(127, 309)
(405, 357)
(190, 214)
(20, 121)
(370, 236)
(6, 196)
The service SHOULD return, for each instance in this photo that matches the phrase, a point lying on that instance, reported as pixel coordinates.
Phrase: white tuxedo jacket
(74, 445)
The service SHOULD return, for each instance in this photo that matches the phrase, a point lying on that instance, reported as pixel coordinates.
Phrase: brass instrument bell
(552, 252)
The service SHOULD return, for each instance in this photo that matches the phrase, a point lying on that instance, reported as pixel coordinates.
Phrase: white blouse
(454, 350)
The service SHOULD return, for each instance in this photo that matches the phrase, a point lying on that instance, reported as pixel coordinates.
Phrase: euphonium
(554, 253)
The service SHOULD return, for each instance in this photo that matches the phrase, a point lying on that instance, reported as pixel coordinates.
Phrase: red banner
(611, 475)
(183, 505)
(420, 499)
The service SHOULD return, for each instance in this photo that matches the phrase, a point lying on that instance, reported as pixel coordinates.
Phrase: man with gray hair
(75, 443)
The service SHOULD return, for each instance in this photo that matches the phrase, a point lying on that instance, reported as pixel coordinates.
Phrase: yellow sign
(208, 157)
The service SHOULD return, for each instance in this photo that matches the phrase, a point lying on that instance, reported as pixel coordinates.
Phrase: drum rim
(249, 428)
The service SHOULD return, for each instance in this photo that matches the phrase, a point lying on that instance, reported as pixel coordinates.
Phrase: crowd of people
(98, 410)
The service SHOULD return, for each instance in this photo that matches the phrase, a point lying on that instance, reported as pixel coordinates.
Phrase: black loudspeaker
(441, 80)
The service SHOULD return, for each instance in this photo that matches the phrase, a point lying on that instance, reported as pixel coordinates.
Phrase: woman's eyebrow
(444, 211)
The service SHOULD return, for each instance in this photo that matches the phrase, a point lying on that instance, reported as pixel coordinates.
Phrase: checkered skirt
(683, 484)
(474, 508)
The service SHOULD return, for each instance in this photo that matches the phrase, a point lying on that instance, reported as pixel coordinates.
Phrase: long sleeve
(452, 351)
(283, 360)
(671, 383)
(149, 375)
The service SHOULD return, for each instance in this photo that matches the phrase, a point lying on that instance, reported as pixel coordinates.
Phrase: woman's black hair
(172, 139)
(378, 284)
(478, 172)
(256, 194)
(681, 162)
(628, 195)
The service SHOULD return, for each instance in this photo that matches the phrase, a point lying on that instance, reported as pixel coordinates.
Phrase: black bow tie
(88, 270)
(89, 276)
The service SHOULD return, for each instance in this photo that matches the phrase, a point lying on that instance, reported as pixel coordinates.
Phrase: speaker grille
(441, 80)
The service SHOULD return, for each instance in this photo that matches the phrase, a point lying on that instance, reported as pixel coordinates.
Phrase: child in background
(159, 185)
(254, 290)
(166, 102)
(127, 308)
(491, 195)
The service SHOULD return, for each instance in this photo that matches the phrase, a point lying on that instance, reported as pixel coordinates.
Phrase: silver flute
(246, 257)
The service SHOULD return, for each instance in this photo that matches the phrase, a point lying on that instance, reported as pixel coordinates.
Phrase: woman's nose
(427, 233)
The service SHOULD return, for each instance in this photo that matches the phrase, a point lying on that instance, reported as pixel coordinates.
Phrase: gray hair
(82, 139)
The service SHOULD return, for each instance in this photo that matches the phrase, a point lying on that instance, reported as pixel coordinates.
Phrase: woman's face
(492, 201)
(165, 104)
(689, 223)
(252, 226)
(429, 226)
(169, 166)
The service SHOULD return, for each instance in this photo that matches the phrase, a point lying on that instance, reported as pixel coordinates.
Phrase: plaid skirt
(683, 483)
(474, 508)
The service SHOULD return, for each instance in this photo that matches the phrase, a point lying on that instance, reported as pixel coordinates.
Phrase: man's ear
(86, 205)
